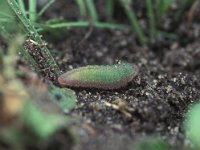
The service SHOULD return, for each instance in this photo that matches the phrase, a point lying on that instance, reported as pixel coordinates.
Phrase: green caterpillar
(101, 77)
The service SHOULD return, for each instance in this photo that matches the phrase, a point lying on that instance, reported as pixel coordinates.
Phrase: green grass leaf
(134, 21)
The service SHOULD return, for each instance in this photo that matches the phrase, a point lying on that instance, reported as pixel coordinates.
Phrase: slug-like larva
(101, 77)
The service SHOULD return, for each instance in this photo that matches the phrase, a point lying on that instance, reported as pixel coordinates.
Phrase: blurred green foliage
(43, 125)
(33, 128)
(8, 22)
(151, 143)
(22, 123)
(162, 6)
(192, 124)
(1, 60)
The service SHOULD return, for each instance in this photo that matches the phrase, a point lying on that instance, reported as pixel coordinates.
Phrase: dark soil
(156, 99)
(153, 104)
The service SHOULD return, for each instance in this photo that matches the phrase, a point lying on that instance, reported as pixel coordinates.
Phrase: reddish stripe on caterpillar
(101, 77)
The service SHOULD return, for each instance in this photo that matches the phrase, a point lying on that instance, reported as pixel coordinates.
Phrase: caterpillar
(100, 77)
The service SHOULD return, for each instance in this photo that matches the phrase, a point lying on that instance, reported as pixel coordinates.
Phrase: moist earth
(153, 104)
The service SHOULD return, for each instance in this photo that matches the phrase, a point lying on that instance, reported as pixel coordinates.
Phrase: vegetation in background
(162, 6)
(42, 125)
(157, 10)
(184, 4)
(35, 49)
(90, 17)
(12, 92)
(33, 127)
(134, 21)
(36, 44)
(7, 20)
(151, 19)
(22, 123)
(192, 124)
(151, 143)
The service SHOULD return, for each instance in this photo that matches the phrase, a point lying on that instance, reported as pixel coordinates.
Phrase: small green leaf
(65, 97)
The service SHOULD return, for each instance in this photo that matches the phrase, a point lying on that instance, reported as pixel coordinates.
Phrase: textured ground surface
(154, 103)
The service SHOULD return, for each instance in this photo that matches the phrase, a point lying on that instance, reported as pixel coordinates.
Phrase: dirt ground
(153, 104)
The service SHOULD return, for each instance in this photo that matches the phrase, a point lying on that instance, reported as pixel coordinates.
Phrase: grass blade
(49, 68)
(109, 9)
(134, 21)
(162, 6)
(151, 19)
(3, 20)
(46, 6)
(22, 6)
(81, 24)
(2, 14)
(92, 10)
(82, 8)
(32, 10)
